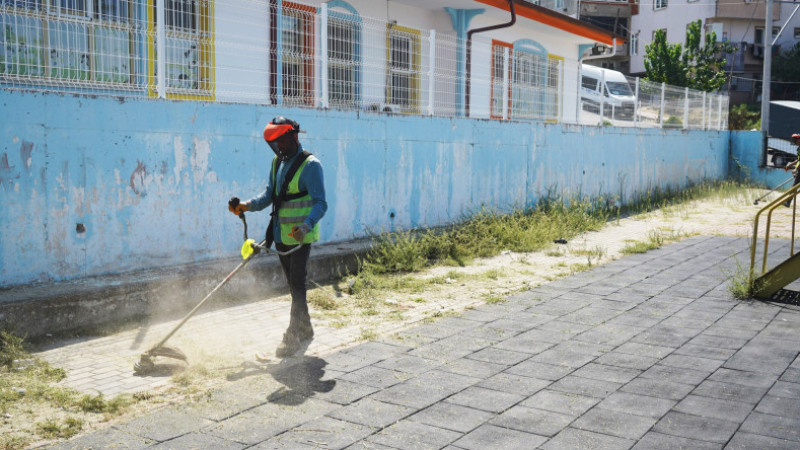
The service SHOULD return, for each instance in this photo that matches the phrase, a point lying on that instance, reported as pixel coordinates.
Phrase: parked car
(618, 98)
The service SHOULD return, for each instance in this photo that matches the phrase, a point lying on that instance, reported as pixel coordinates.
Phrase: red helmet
(796, 138)
(278, 127)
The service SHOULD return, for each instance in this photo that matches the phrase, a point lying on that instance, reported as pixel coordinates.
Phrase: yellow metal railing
(788, 196)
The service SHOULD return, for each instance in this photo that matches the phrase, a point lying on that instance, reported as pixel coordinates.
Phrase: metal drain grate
(786, 296)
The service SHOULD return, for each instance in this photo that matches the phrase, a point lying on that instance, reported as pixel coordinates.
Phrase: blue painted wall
(149, 180)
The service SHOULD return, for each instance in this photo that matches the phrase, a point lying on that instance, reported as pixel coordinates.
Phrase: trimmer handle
(233, 203)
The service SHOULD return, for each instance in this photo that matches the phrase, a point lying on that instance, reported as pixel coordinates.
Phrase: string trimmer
(250, 249)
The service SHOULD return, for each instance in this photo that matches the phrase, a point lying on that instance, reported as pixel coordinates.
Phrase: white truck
(609, 86)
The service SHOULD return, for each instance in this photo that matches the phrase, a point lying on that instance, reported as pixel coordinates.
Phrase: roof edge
(557, 20)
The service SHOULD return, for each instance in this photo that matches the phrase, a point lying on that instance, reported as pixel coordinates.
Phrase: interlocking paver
(572, 438)
(560, 402)
(531, 420)
(713, 407)
(452, 417)
(614, 423)
(490, 437)
(372, 413)
(696, 427)
(640, 405)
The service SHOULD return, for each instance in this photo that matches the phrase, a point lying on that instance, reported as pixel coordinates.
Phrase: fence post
(323, 36)
(431, 71)
(636, 104)
(505, 83)
(602, 95)
(704, 110)
(561, 91)
(686, 109)
(161, 50)
(719, 112)
(661, 114)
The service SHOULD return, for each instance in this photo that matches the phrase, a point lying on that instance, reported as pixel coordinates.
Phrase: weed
(322, 300)
(11, 349)
(418, 300)
(368, 334)
(740, 285)
(493, 298)
(51, 428)
(13, 441)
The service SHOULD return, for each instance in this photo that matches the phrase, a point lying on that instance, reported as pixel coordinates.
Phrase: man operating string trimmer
(794, 166)
(296, 192)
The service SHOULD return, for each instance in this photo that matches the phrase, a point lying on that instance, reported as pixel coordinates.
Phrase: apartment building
(740, 22)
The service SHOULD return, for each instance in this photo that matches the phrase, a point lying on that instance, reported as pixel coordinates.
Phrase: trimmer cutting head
(146, 365)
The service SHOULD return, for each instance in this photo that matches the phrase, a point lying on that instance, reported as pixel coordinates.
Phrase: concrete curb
(159, 294)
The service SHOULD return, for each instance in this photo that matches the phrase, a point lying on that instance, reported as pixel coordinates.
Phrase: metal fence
(254, 51)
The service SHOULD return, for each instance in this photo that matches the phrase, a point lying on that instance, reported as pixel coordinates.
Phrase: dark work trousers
(294, 267)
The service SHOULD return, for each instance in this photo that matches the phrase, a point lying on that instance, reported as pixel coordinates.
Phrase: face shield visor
(279, 139)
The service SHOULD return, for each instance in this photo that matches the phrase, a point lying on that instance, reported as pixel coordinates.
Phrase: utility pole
(767, 75)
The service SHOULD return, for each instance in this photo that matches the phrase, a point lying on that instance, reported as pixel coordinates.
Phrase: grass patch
(655, 240)
(368, 334)
(740, 285)
(29, 389)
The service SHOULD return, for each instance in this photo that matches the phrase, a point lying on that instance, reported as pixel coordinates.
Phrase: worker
(296, 191)
(794, 165)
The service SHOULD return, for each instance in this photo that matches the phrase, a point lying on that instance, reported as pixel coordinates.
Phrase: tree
(694, 66)
(663, 62)
(786, 67)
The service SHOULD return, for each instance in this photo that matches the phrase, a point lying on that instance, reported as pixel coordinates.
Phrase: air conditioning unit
(385, 108)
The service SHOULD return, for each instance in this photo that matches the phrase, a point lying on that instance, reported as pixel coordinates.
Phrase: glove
(299, 232)
(237, 207)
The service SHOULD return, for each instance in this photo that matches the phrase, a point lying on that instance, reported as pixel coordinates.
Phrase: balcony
(738, 9)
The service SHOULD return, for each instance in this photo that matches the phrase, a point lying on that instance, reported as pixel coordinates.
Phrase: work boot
(289, 346)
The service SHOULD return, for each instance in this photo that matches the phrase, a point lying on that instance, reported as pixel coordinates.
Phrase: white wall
(242, 51)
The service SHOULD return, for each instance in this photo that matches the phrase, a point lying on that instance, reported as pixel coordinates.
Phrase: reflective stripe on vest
(293, 212)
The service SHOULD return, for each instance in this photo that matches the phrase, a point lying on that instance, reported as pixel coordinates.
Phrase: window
(87, 41)
(559, 4)
(344, 60)
(634, 44)
(797, 33)
(589, 83)
(297, 54)
(501, 59)
(188, 46)
(659, 4)
(403, 68)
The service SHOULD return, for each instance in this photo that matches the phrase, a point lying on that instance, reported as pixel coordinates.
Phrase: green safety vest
(293, 206)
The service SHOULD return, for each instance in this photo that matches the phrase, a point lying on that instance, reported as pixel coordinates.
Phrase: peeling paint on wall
(137, 179)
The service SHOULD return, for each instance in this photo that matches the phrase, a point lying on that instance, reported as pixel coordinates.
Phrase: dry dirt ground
(341, 320)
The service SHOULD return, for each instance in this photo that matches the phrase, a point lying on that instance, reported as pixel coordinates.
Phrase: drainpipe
(469, 48)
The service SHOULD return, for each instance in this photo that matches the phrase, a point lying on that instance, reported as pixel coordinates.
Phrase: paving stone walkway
(647, 352)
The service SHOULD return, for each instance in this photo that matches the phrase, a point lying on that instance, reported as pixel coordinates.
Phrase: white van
(619, 99)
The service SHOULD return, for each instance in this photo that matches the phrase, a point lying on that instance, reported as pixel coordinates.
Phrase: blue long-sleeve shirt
(311, 181)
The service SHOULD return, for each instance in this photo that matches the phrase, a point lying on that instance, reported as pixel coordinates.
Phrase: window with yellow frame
(189, 44)
(403, 68)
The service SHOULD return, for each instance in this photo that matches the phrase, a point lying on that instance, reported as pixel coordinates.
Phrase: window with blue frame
(84, 41)
(535, 79)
